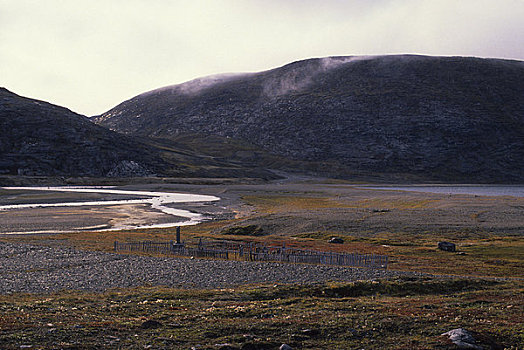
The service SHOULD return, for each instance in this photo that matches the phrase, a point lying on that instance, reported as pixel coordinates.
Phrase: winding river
(157, 200)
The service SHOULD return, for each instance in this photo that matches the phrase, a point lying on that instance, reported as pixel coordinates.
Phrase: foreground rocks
(336, 240)
(40, 269)
(462, 339)
(447, 246)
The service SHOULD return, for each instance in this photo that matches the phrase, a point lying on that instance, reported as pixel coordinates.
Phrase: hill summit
(406, 117)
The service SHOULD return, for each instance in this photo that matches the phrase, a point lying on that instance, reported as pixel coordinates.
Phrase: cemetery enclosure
(255, 252)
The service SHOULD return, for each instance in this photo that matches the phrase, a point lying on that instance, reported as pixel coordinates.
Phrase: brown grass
(401, 314)
(386, 315)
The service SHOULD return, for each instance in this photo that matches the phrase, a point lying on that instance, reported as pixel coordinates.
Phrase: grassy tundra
(482, 290)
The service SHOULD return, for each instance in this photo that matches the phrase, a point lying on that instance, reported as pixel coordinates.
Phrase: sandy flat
(60, 219)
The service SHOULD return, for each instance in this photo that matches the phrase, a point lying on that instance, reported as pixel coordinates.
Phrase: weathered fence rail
(256, 252)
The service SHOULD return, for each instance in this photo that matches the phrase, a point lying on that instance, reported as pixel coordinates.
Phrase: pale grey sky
(91, 55)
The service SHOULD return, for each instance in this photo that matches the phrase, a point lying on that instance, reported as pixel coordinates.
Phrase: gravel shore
(40, 269)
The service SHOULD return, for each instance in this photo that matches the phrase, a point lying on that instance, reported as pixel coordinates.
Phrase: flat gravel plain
(40, 269)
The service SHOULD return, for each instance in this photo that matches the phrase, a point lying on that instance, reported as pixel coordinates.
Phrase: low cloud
(90, 56)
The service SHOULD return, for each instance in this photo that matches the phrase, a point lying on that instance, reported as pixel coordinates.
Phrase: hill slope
(417, 117)
(42, 139)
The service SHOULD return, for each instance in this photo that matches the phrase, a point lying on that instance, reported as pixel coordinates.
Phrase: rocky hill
(41, 139)
(397, 117)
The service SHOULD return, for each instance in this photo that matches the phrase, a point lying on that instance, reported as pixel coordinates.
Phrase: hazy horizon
(89, 57)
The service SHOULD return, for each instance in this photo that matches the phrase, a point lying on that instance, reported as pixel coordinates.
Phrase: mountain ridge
(457, 119)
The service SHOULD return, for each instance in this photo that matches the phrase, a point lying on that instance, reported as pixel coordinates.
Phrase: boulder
(462, 338)
(310, 332)
(446, 246)
(336, 240)
(285, 347)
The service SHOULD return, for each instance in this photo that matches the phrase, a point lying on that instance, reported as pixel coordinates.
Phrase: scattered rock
(310, 332)
(128, 168)
(336, 240)
(38, 269)
(446, 246)
(150, 324)
(462, 338)
(175, 325)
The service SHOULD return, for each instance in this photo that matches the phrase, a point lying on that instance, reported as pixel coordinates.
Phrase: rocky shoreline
(41, 269)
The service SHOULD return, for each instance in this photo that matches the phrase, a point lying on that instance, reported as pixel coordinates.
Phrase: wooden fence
(256, 252)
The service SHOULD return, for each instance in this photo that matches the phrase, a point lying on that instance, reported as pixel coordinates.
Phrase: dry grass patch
(280, 204)
(394, 314)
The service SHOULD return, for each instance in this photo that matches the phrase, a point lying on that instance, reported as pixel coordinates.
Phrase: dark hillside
(41, 139)
(414, 117)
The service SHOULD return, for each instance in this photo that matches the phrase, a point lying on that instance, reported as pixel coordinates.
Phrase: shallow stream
(157, 200)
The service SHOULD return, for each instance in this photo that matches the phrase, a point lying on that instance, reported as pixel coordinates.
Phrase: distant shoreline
(468, 189)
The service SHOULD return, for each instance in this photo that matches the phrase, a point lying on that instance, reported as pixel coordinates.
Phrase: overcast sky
(90, 55)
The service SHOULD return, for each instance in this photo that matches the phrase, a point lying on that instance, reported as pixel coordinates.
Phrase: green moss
(249, 230)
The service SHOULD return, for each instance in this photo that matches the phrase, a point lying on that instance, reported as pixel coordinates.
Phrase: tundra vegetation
(479, 287)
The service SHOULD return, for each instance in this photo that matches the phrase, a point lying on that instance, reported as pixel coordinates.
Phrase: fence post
(178, 235)
(258, 252)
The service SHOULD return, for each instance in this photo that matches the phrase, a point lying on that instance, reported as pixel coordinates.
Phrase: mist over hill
(405, 117)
